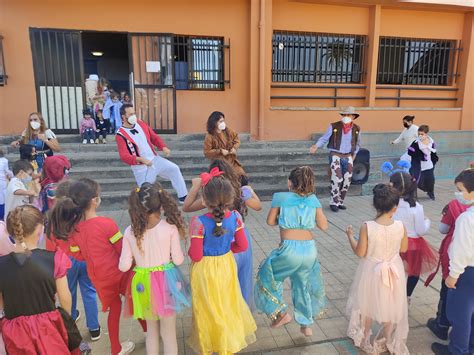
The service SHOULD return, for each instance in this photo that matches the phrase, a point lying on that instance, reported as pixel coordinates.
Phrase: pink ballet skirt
(377, 303)
(157, 292)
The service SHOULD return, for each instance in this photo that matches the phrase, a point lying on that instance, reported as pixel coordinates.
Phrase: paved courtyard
(338, 265)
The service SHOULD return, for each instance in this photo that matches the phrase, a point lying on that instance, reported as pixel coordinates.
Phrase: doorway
(139, 64)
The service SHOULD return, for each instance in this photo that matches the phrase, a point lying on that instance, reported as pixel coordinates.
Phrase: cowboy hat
(349, 110)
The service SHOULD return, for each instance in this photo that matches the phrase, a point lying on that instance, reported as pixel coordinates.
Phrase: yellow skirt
(222, 321)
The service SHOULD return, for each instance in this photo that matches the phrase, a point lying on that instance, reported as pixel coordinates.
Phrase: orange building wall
(239, 20)
(229, 19)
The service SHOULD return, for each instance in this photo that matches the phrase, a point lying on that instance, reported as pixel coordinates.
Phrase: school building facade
(279, 69)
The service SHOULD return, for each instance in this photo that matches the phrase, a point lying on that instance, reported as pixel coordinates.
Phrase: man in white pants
(135, 142)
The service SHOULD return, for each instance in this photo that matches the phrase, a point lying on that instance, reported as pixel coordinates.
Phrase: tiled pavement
(338, 266)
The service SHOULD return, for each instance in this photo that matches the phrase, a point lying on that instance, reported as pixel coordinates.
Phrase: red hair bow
(206, 177)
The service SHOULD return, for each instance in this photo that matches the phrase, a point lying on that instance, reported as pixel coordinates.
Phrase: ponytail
(218, 214)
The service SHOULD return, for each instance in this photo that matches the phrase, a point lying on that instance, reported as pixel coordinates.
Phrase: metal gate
(58, 70)
(153, 79)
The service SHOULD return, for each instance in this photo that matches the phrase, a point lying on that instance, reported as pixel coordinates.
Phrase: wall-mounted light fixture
(97, 53)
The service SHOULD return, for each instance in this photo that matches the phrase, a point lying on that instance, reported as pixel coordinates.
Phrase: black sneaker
(342, 207)
(95, 334)
(181, 199)
(334, 208)
(440, 331)
(78, 316)
(440, 349)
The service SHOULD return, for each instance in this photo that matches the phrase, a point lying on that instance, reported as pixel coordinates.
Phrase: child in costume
(377, 299)
(420, 258)
(29, 280)
(55, 169)
(245, 198)
(222, 321)
(98, 241)
(440, 325)
(87, 128)
(152, 242)
(297, 213)
(460, 281)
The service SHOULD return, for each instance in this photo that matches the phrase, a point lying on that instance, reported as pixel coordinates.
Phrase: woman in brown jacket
(221, 142)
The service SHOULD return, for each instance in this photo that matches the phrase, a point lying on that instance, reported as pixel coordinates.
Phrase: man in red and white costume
(136, 144)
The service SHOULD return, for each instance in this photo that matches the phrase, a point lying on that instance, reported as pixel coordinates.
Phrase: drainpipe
(261, 72)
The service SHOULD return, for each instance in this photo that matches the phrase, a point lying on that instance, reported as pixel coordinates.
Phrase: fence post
(373, 52)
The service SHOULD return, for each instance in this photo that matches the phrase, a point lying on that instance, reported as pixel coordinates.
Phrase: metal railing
(399, 98)
(199, 62)
(318, 57)
(335, 97)
(414, 61)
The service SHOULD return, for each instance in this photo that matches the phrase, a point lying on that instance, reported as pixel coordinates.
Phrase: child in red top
(98, 241)
(440, 325)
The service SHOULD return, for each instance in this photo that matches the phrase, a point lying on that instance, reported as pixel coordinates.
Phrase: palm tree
(337, 52)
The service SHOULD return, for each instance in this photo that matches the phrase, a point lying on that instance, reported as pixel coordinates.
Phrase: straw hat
(349, 110)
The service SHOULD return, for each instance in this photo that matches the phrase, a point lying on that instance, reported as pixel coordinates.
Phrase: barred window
(3, 75)
(199, 63)
(413, 61)
(318, 57)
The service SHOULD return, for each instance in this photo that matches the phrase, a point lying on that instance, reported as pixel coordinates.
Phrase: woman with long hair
(42, 138)
(222, 142)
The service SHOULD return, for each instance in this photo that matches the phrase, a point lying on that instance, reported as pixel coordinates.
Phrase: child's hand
(197, 182)
(451, 282)
(350, 231)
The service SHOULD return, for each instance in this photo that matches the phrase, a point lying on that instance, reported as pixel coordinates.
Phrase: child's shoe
(127, 347)
(84, 141)
(97, 141)
(104, 141)
(91, 141)
(282, 319)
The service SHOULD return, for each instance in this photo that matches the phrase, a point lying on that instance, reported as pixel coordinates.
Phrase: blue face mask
(461, 199)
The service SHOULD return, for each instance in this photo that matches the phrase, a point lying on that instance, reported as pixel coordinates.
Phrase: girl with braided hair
(158, 289)
(222, 321)
(244, 198)
(297, 213)
(76, 227)
(30, 278)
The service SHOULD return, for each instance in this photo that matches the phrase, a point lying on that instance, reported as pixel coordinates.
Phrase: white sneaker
(127, 347)
(84, 141)
(104, 141)
(91, 141)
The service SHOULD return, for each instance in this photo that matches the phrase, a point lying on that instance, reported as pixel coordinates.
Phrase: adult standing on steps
(343, 141)
(222, 142)
(135, 142)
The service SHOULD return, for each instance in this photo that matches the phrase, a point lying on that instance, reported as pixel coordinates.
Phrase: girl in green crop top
(297, 212)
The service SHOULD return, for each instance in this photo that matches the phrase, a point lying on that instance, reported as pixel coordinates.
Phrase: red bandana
(346, 127)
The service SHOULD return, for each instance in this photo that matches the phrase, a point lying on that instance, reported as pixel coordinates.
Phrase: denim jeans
(88, 134)
(77, 274)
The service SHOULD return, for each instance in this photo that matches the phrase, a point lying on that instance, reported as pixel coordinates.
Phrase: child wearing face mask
(87, 128)
(423, 160)
(460, 282)
(102, 127)
(18, 193)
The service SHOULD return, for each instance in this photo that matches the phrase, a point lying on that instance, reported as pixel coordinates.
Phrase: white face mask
(461, 199)
(221, 126)
(35, 125)
(99, 200)
(346, 120)
(132, 119)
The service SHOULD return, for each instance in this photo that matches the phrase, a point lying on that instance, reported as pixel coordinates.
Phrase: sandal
(281, 320)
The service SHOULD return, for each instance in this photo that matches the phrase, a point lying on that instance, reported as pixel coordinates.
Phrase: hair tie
(160, 191)
(137, 189)
(219, 224)
(206, 177)
(23, 245)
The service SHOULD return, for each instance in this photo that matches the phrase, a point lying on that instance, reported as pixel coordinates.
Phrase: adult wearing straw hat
(343, 141)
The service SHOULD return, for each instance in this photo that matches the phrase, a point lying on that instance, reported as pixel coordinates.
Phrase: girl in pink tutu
(420, 258)
(158, 289)
(377, 303)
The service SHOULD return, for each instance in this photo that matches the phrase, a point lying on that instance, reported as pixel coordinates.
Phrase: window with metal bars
(3, 75)
(318, 57)
(414, 61)
(199, 63)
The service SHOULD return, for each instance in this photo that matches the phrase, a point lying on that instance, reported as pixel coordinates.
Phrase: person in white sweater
(460, 300)
(420, 258)
(408, 135)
